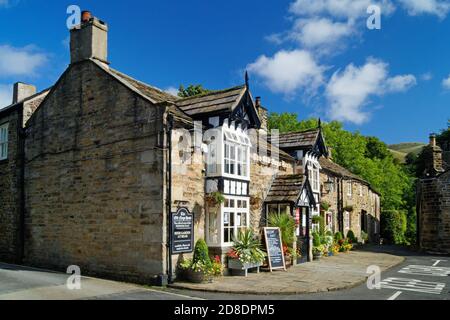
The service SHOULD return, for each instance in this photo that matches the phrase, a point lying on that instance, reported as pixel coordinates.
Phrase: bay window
(4, 141)
(313, 173)
(235, 213)
(236, 155)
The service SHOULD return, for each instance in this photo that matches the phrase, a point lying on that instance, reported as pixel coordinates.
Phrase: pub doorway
(302, 233)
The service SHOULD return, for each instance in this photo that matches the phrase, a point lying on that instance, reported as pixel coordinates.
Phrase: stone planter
(197, 277)
(317, 256)
(235, 265)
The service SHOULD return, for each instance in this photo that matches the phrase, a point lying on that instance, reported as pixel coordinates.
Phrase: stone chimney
(262, 113)
(89, 40)
(433, 158)
(22, 91)
(330, 153)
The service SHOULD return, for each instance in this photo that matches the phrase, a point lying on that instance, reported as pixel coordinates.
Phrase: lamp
(329, 185)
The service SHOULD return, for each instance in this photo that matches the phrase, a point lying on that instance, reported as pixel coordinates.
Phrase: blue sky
(313, 57)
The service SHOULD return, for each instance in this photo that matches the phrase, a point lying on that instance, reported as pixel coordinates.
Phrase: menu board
(182, 231)
(274, 248)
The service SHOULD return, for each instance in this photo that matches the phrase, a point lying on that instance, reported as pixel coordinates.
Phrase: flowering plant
(247, 248)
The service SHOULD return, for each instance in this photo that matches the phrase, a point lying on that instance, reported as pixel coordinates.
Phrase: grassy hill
(402, 149)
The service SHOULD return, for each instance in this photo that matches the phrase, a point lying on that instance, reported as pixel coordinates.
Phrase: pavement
(339, 272)
(418, 277)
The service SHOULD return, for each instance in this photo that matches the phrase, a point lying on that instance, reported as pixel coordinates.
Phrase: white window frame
(360, 190)
(234, 211)
(241, 147)
(349, 189)
(314, 175)
(4, 132)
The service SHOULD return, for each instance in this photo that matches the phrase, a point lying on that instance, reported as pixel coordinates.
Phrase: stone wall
(94, 175)
(434, 214)
(188, 182)
(368, 202)
(10, 192)
(262, 175)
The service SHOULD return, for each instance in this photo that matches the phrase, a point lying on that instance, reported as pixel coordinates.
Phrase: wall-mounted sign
(182, 231)
(274, 248)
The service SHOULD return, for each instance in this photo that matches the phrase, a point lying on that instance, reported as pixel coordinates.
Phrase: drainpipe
(21, 178)
(169, 197)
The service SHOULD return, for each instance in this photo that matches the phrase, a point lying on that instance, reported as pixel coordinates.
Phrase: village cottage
(92, 168)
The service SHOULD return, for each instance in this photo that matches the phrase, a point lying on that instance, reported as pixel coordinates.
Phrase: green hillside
(402, 149)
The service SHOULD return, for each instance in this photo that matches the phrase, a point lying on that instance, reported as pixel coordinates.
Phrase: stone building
(92, 169)
(433, 201)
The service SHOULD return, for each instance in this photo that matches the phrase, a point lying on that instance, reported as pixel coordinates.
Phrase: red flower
(217, 259)
(233, 254)
(341, 242)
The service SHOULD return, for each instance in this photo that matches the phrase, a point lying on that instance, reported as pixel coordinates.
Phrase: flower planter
(197, 276)
(317, 256)
(237, 265)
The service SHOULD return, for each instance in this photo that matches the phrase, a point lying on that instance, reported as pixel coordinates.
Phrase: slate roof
(217, 101)
(12, 106)
(265, 147)
(300, 140)
(155, 94)
(332, 167)
(285, 188)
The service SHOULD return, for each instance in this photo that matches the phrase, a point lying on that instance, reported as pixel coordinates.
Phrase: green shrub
(321, 222)
(338, 236)
(394, 226)
(201, 252)
(316, 239)
(329, 233)
(286, 223)
(351, 236)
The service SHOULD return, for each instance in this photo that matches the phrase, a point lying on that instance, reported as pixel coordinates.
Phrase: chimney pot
(86, 16)
(258, 101)
(433, 140)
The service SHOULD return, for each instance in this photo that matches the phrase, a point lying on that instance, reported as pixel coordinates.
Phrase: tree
(376, 149)
(367, 157)
(284, 122)
(192, 91)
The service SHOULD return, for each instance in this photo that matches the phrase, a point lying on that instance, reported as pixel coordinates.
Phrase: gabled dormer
(234, 105)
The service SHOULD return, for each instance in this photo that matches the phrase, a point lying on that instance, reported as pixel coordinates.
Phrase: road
(420, 277)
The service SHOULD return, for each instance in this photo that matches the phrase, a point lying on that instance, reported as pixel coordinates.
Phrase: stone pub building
(92, 168)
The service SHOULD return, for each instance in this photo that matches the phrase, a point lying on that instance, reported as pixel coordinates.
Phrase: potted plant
(286, 224)
(215, 199)
(328, 242)
(324, 206)
(348, 208)
(318, 248)
(201, 268)
(364, 237)
(246, 252)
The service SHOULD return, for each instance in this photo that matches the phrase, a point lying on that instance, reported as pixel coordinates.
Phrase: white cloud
(400, 83)
(316, 32)
(446, 83)
(439, 8)
(172, 90)
(288, 71)
(347, 9)
(20, 61)
(349, 91)
(5, 95)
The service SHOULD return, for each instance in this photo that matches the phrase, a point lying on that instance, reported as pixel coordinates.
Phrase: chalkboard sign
(274, 248)
(182, 231)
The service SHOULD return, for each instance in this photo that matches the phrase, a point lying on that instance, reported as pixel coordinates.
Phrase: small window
(360, 190)
(349, 189)
(4, 141)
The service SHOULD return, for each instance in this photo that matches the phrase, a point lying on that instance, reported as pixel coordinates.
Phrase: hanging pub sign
(182, 234)
(274, 248)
